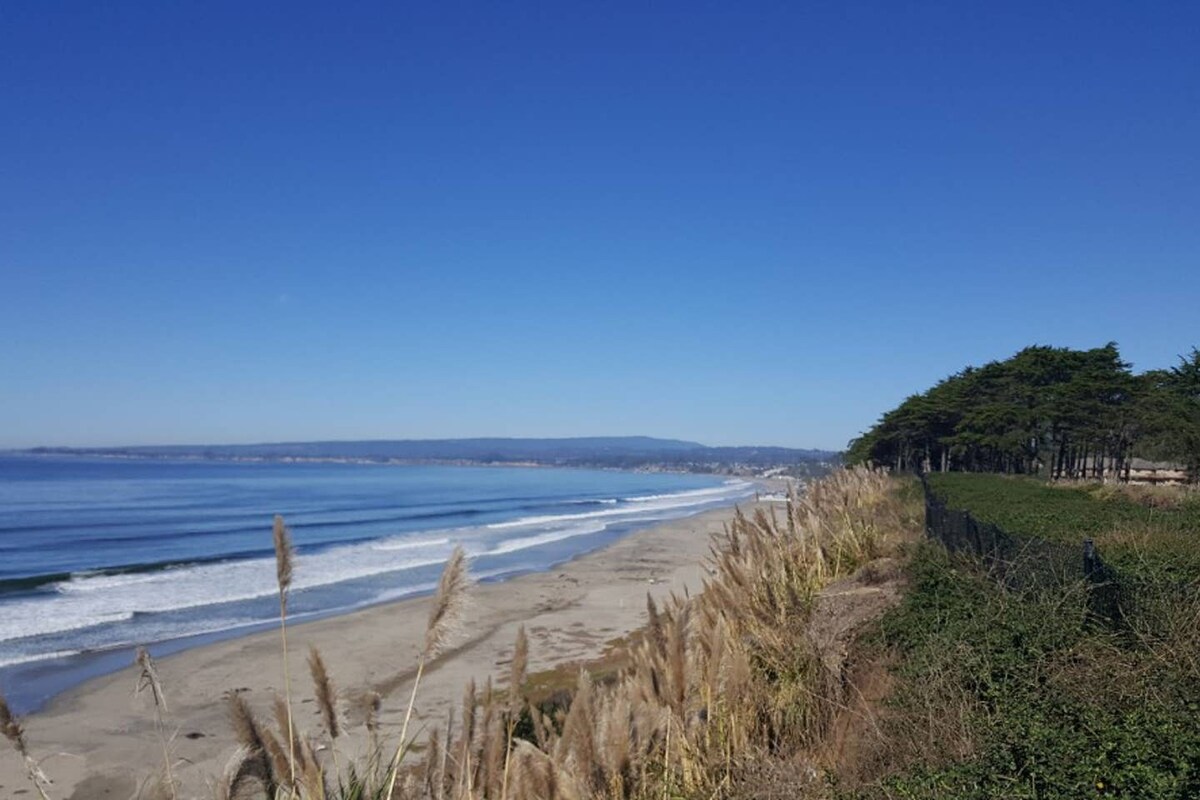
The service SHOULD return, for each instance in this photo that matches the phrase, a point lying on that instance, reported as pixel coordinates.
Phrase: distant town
(641, 453)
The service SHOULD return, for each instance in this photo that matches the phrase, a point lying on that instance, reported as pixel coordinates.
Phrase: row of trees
(1054, 411)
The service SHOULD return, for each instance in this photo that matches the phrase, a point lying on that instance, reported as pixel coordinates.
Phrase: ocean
(98, 556)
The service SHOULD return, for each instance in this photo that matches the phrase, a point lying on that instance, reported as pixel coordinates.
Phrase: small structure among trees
(1057, 412)
(1156, 473)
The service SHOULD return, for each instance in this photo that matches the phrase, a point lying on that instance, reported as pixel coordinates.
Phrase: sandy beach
(99, 740)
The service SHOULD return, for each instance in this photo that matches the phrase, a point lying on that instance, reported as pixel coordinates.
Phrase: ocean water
(98, 556)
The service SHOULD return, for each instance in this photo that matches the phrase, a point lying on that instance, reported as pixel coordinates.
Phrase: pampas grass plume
(245, 726)
(283, 555)
(11, 728)
(516, 677)
(323, 688)
(243, 765)
(445, 614)
(448, 603)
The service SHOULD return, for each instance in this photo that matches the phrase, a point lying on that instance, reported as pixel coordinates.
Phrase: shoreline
(100, 739)
(32, 686)
(158, 596)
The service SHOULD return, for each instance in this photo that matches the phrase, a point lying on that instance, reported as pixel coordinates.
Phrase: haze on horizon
(223, 223)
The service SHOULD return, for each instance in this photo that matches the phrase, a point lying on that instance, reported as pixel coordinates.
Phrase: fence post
(929, 509)
(1105, 599)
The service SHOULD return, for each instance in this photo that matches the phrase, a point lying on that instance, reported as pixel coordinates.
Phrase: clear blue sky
(740, 223)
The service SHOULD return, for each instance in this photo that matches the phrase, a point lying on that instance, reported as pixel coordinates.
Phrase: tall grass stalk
(148, 681)
(11, 728)
(262, 752)
(444, 616)
(283, 575)
(326, 698)
(516, 682)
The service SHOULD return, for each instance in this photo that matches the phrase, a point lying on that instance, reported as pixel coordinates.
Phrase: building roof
(1146, 464)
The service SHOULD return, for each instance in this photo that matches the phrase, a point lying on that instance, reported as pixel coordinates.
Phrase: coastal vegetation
(1007, 683)
(1137, 529)
(1051, 651)
(1055, 412)
(832, 654)
(712, 688)
(1004, 690)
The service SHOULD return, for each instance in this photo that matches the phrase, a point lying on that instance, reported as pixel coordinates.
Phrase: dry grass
(714, 687)
(326, 696)
(11, 729)
(714, 691)
(444, 616)
(283, 573)
(148, 681)
(1145, 495)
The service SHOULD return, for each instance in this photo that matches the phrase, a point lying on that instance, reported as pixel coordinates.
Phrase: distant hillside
(617, 451)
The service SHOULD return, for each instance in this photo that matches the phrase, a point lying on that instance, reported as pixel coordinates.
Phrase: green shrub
(1005, 693)
(1131, 536)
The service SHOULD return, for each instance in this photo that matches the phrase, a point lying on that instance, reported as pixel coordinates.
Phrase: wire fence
(1025, 561)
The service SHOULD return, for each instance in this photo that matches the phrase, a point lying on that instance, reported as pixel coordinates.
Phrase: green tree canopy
(1056, 411)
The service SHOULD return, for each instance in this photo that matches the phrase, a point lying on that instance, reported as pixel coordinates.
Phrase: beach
(99, 739)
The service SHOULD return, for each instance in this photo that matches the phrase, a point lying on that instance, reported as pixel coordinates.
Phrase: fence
(1024, 561)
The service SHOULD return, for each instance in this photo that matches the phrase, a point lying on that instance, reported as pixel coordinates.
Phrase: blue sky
(736, 223)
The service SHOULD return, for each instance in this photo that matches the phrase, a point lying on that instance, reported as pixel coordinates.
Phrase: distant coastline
(636, 453)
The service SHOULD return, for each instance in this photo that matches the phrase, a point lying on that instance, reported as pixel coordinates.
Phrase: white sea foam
(84, 582)
(399, 593)
(85, 602)
(12, 661)
(729, 488)
(407, 544)
(43, 618)
(525, 542)
(548, 519)
(638, 507)
(155, 633)
(90, 600)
